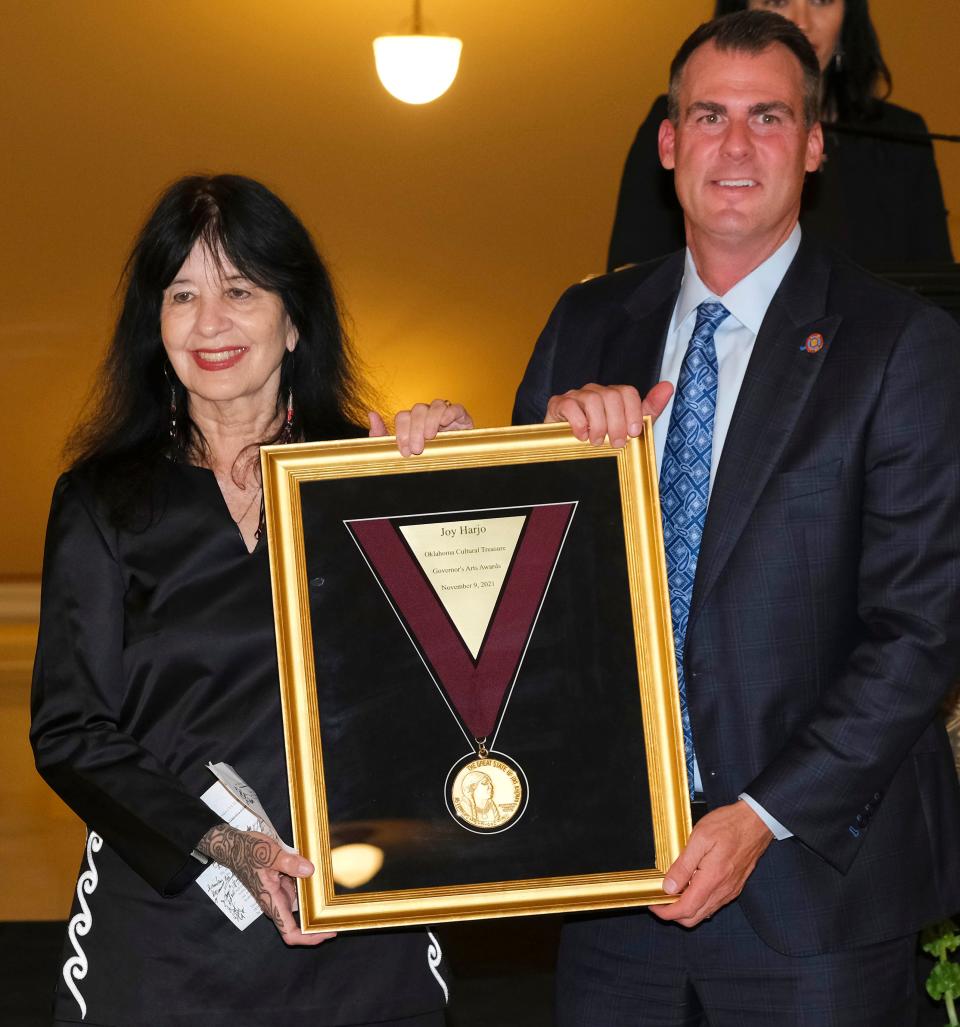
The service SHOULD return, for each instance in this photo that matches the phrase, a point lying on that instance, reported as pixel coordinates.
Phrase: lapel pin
(813, 343)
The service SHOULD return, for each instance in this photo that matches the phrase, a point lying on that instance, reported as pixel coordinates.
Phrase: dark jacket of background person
(876, 199)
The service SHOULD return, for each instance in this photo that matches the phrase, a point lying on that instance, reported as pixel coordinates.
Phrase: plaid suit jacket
(825, 621)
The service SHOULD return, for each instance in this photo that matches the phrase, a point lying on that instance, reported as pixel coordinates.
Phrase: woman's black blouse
(156, 655)
(876, 199)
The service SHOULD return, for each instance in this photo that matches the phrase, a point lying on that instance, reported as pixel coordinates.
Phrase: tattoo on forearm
(245, 855)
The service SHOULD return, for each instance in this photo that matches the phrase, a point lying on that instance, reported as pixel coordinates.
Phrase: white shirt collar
(749, 298)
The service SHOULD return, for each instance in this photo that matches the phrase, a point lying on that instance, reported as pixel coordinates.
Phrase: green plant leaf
(939, 940)
(944, 979)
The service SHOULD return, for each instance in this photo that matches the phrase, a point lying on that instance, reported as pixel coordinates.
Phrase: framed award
(477, 675)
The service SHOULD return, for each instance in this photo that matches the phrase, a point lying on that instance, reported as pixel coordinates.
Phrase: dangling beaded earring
(173, 406)
(286, 432)
(838, 59)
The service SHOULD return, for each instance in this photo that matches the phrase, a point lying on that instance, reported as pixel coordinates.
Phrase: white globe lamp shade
(417, 69)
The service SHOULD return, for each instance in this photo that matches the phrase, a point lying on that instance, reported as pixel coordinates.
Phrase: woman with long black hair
(877, 196)
(156, 653)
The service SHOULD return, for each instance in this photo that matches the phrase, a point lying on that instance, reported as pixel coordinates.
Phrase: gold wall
(451, 228)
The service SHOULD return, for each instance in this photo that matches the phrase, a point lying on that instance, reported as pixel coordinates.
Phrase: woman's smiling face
(224, 336)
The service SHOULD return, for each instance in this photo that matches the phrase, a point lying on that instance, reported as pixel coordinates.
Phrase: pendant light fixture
(417, 68)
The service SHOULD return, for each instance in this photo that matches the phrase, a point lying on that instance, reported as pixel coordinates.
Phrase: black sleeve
(116, 786)
(922, 194)
(648, 222)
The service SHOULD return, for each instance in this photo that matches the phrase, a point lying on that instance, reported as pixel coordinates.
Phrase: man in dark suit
(810, 484)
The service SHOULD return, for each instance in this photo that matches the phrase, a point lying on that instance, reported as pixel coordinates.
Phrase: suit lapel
(637, 360)
(780, 375)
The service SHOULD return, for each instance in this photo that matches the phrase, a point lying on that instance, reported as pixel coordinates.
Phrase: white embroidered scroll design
(75, 968)
(434, 958)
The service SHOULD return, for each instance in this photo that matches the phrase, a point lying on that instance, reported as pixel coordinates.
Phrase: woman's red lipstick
(218, 359)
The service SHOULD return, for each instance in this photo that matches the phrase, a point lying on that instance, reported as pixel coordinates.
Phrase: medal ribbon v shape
(476, 689)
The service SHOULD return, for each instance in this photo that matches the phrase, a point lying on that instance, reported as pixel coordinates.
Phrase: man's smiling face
(740, 148)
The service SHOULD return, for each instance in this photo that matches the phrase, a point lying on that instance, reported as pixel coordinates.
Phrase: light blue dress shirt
(747, 302)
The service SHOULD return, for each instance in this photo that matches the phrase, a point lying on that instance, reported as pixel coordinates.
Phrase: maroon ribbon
(475, 689)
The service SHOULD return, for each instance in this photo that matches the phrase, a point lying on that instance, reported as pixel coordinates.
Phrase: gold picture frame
(593, 783)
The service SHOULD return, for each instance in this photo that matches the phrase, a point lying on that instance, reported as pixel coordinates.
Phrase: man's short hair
(750, 32)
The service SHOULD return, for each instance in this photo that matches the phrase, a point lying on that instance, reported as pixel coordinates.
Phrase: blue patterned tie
(685, 484)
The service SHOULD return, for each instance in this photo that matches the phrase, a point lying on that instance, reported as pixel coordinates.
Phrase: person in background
(156, 652)
(877, 195)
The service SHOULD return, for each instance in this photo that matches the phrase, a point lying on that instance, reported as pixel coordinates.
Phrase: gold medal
(485, 793)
